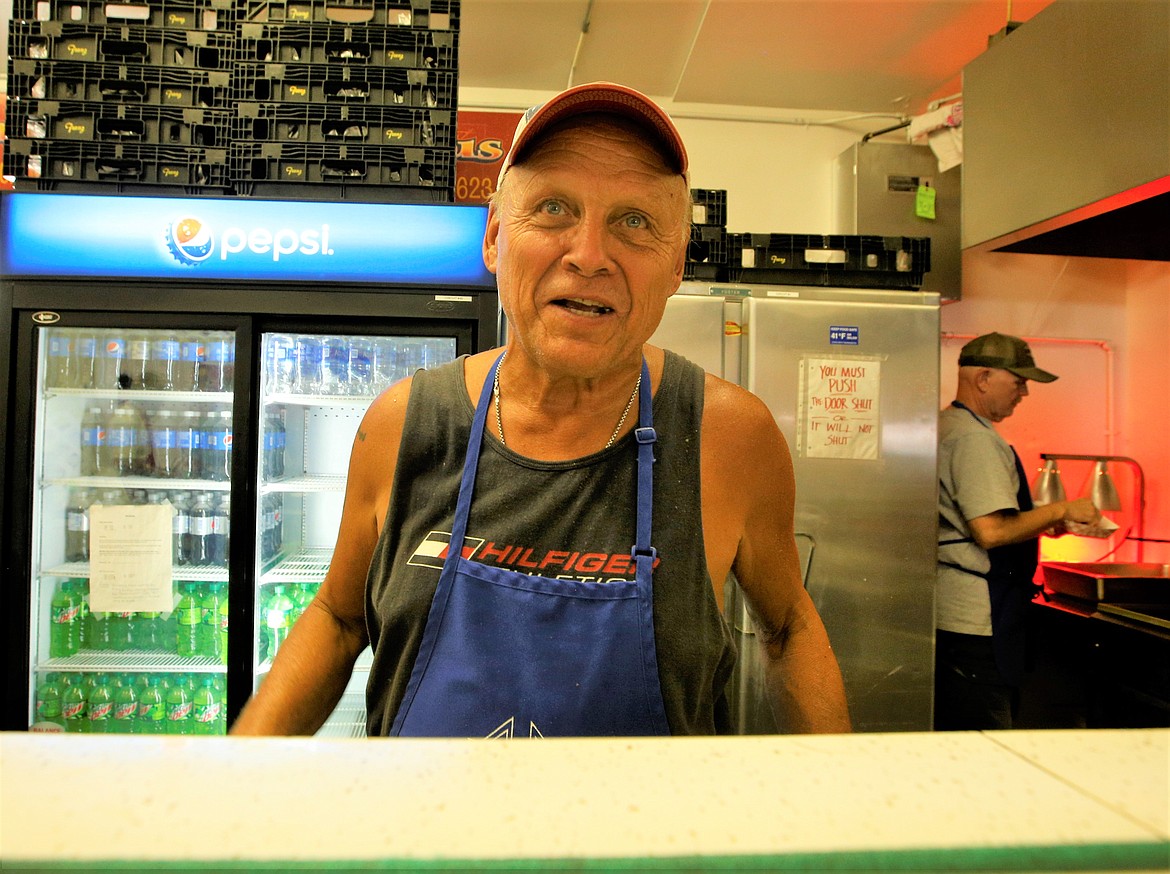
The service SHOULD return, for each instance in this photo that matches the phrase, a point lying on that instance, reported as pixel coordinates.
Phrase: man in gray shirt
(988, 539)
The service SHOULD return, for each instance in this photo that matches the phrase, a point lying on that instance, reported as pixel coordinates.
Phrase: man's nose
(587, 248)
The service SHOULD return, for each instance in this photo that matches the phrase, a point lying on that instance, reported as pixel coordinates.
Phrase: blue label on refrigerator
(844, 335)
(220, 238)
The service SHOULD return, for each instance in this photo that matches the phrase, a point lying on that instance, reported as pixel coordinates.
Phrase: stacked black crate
(707, 252)
(846, 261)
(346, 100)
(109, 96)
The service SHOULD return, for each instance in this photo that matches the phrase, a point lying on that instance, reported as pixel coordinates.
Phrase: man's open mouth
(586, 307)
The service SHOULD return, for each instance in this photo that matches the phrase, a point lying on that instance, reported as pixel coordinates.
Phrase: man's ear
(491, 237)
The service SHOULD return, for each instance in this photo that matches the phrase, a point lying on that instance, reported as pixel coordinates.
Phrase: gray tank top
(558, 519)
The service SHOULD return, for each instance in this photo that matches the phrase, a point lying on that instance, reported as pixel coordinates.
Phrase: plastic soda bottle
(111, 350)
(97, 631)
(361, 366)
(205, 707)
(221, 628)
(278, 616)
(60, 363)
(125, 706)
(218, 374)
(334, 365)
(65, 621)
(308, 361)
(165, 353)
(280, 364)
(221, 530)
(49, 703)
(200, 522)
(192, 355)
(188, 614)
(210, 640)
(101, 706)
(137, 363)
(85, 351)
(152, 709)
(93, 435)
(180, 707)
(73, 704)
(121, 630)
(77, 525)
(148, 631)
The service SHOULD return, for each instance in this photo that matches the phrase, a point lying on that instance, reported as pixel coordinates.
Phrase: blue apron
(507, 654)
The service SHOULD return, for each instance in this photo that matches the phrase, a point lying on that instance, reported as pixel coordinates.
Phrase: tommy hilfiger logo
(561, 564)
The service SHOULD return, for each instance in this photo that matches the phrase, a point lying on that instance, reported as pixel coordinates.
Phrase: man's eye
(552, 207)
(636, 220)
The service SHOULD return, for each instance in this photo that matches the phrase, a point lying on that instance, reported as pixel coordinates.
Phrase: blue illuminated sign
(844, 335)
(219, 238)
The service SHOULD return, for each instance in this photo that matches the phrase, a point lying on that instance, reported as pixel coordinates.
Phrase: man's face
(587, 241)
(1004, 391)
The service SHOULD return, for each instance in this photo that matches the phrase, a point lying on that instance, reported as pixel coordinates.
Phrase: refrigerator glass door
(132, 453)
(315, 389)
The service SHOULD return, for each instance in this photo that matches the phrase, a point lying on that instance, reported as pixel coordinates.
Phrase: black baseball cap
(1005, 353)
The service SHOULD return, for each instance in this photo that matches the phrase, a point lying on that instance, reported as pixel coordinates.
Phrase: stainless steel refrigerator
(851, 377)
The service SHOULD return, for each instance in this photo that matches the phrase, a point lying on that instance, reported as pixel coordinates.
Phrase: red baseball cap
(599, 97)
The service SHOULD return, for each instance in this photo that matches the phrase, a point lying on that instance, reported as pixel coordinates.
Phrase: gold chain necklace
(612, 437)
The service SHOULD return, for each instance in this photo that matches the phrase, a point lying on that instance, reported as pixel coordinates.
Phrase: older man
(988, 538)
(588, 487)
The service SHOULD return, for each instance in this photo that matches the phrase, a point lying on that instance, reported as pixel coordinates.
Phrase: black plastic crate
(709, 207)
(426, 14)
(118, 83)
(321, 84)
(708, 245)
(124, 123)
(347, 46)
(173, 14)
(324, 171)
(829, 260)
(184, 49)
(97, 166)
(293, 123)
(705, 272)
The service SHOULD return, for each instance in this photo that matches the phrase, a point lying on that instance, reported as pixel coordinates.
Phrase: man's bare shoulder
(736, 418)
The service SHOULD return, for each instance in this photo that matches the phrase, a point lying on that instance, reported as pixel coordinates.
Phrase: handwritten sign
(130, 558)
(839, 407)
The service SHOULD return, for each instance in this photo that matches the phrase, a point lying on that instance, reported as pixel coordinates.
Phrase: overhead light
(1102, 491)
(1048, 488)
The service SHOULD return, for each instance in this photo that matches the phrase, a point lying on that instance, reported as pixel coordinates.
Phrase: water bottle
(97, 631)
(49, 703)
(361, 366)
(280, 364)
(179, 706)
(385, 363)
(308, 352)
(125, 718)
(334, 365)
(188, 444)
(219, 373)
(148, 631)
(85, 352)
(192, 357)
(101, 706)
(277, 619)
(165, 354)
(121, 630)
(188, 614)
(221, 530)
(111, 353)
(280, 440)
(210, 639)
(65, 621)
(205, 707)
(93, 437)
(60, 362)
(152, 709)
(217, 453)
(73, 704)
(168, 458)
(137, 364)
(180, 528)
(201, 519)
(77, 525)
(118, 450)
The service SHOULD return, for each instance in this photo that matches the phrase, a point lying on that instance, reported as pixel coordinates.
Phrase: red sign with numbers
(483, 141)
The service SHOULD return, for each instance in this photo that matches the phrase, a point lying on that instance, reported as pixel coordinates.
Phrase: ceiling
(840, 56)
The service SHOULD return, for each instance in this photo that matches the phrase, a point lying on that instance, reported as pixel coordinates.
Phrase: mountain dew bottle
(206, 707)
(73, 704)
(125, 706)
(49, 704)
(188, 614)
(152, 707)
(180, 707)
(211, 641)
(278, 616)
(101, 706)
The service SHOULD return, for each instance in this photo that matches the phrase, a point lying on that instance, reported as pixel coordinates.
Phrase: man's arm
(1005, 526)
(314, 663)
(801, 672)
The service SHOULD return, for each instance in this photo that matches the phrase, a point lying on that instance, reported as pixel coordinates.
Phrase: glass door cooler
(315, 390)
(131, 465)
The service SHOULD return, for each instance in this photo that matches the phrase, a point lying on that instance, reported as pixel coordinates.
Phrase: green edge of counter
(1151, 856)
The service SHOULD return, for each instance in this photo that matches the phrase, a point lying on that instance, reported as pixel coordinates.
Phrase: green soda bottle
(277, 619)
(206, 707)
(101, 706)
(125, 706)
(180, 707)
(210, 640)
(152, 708)
(221, 628)
(73, 704)
(49, 704)
(65, 621)
(188, 614)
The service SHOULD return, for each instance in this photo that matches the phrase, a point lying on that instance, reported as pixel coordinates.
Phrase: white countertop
(889, 799)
